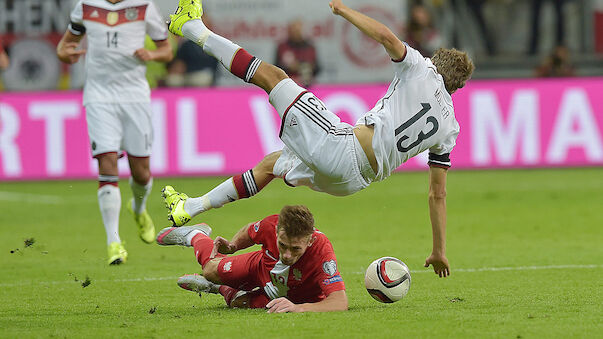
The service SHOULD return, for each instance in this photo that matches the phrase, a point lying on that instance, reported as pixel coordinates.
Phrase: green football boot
(117, 254)
(187, 10)
(174, 202)
(146, 228)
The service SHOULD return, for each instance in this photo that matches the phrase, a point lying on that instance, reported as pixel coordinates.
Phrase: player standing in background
(416, 114)
(296, 270)
(117, 100)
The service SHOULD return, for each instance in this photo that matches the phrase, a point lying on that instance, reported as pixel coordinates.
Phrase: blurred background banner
(525, 123)
(344, 53)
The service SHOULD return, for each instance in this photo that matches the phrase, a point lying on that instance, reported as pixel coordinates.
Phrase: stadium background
(513, 123)
(532, 236)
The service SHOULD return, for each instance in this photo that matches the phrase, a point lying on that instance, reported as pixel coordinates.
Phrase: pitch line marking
(31, 197)
(468, 270)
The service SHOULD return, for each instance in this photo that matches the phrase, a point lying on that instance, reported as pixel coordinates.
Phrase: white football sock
(190, 236)
(216, 198)
(140, 194)
(196, 31)
(109, 201)
(221, 48)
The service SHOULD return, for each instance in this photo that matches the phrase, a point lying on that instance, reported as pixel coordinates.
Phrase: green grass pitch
(525, 247)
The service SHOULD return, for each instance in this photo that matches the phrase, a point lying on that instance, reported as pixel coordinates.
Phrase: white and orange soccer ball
(387, 279)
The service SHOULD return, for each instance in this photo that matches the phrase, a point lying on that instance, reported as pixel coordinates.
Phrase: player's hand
(222, 246)
(144, 54)
(439, 263)
(282, 305)
(69, 54)
(336, 6)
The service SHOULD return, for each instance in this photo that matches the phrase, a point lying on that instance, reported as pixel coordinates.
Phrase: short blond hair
(455, 67)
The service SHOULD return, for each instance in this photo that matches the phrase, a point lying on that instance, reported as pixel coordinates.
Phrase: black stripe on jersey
(311, 117)
(332, 130)
(390, 95)
(280, 134)
(314, 111)
(326, 125)
(77, 29)
(318, 118)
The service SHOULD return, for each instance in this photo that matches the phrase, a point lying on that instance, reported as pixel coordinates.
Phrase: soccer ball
(387, 279)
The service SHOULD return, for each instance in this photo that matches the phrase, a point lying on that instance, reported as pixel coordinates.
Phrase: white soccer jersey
(115, 32)
(415, 114)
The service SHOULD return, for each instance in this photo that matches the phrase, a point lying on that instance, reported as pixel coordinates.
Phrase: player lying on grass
(296, 270)
(416, 114)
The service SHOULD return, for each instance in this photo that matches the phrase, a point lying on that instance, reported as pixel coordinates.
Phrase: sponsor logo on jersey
(94, 14)
(256, 227)
(297, 274)
(329, 267)
(132, 13)
(332, 280)
(228, 266)
(112, 18)
(293, 122)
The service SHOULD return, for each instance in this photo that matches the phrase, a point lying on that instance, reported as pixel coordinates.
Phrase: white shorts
(117, 127)
(320, 152)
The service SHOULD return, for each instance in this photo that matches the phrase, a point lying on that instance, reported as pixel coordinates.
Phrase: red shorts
(242, 271)
(245, 272)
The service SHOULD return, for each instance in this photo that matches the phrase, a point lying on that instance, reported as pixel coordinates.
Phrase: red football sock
(245, 185)
(228, 293)
(244, 65)
(203, 246)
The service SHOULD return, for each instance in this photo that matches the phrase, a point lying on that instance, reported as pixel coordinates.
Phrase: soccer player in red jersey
(295, 271)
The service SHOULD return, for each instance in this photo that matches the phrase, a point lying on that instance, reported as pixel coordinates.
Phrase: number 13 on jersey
(422, 135)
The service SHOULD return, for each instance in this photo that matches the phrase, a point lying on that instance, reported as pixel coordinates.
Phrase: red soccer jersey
(312, 278)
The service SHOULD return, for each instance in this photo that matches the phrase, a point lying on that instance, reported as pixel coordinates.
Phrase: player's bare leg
(109, 202)
(141, 184)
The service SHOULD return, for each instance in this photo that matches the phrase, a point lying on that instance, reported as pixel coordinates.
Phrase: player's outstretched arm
(67, 48)
(437, 214)
(371, 27)
(241, 240)
(336, 301)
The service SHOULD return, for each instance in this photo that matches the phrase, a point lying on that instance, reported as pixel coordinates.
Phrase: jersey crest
(114, 18)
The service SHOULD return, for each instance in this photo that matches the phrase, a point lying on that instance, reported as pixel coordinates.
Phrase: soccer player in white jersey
(416, 114)
(117, 101)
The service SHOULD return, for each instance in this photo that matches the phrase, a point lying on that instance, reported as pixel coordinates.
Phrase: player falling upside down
(118, 101)
(296, 270)
(416, 114)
